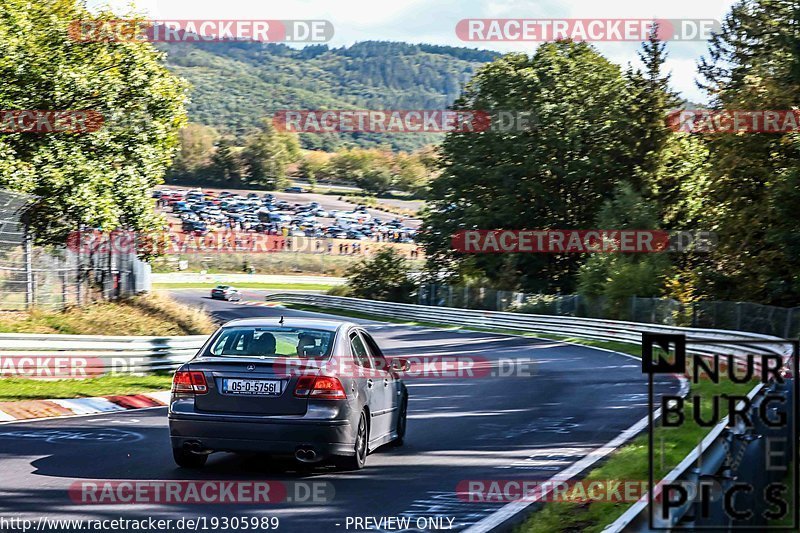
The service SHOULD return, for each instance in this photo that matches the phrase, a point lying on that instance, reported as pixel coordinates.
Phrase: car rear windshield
(271, 342)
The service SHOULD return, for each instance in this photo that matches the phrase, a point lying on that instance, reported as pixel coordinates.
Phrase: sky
(434, 21)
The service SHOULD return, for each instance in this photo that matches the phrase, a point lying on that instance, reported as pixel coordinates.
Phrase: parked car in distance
(225, 292)
(195, 227)
(357, 235)
(294, 189)
(306, 388)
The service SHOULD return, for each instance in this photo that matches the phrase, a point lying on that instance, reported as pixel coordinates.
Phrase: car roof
(291, 322)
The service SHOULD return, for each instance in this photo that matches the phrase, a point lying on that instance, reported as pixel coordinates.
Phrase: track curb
(55, 408)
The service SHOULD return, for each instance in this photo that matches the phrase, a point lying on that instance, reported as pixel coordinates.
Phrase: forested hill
(235, 84)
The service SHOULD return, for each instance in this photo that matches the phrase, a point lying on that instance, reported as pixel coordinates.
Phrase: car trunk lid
(248, 386)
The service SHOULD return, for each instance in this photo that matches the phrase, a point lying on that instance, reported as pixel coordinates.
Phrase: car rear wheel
(187, 459)
(359, 458)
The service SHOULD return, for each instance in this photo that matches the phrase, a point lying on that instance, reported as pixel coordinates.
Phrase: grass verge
(15, 389)
(154, 314)
(630, 462)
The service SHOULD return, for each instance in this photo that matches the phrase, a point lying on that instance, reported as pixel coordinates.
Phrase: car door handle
(369, 383)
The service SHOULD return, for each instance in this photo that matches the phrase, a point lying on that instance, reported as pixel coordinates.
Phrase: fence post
(63, 277)
(29, 301)
(449, 296)
(787, 328)
(633, 308)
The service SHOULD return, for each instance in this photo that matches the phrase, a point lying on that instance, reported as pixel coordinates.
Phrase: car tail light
(189, 382)
(320, 388)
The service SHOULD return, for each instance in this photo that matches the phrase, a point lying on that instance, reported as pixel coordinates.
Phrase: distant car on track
(225, 292)
(308, 388)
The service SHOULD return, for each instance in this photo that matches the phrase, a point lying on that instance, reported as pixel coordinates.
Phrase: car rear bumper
(279, 437)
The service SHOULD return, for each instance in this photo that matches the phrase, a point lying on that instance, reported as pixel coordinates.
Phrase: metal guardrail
(704, 462)
(564, 326)
(147, 354)
(104, 354)
(165, 353)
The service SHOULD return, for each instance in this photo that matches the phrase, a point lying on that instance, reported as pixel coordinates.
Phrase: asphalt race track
(575, 399)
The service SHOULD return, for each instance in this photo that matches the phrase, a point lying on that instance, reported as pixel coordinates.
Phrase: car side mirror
(400, 365)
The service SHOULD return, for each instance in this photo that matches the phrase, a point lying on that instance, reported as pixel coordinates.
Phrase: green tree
(754, 64)
(385, 276)
(370, 169)
(554, 175)
(100, 179)
(413, 175)
(314, 166)
(651, 99)
(227, 164)
(197, 144)
(376, 180)
(619, 276)
(267, 154)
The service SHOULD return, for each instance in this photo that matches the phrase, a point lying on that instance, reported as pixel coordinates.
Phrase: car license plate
(256, 387)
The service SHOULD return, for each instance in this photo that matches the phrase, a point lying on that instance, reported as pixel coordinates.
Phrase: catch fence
(738, 316)
(55, 277)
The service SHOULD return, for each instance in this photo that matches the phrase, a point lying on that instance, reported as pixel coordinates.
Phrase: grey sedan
(307, 388)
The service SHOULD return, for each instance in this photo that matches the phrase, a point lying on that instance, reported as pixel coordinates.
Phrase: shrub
(385, 276)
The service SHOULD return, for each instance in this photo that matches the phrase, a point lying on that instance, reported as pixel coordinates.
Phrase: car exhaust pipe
(195, 446)
(305, 455)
